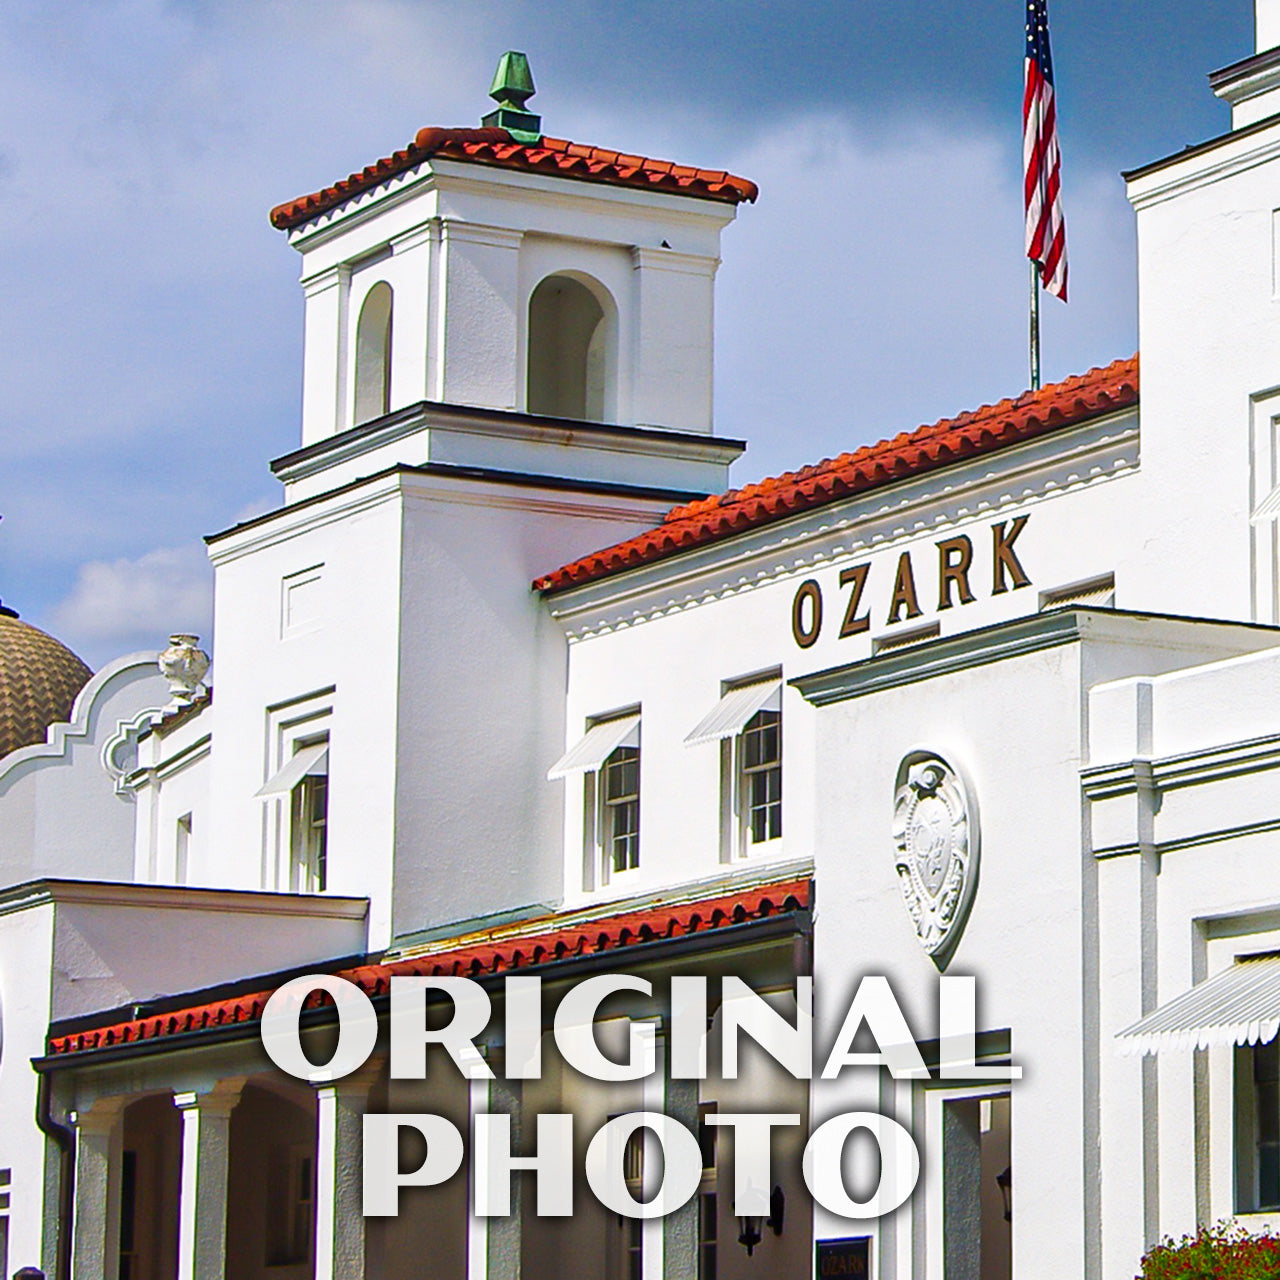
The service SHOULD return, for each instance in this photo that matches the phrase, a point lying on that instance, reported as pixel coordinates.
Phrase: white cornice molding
(685, 447)
(643, 257)
(407, 482)
(112, 893)
(463, 232)
(289, 522)
(1024, 475)
(443, 176)
(1184, 769)
(1231, 157)
(322, 281)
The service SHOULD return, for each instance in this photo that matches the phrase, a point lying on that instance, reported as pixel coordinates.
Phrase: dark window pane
(1268, 1176)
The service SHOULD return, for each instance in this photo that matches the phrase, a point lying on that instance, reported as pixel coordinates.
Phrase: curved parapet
(62, 810)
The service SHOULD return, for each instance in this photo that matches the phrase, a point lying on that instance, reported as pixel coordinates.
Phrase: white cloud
(118, 606)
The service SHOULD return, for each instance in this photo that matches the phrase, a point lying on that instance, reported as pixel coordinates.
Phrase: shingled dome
(39, 680)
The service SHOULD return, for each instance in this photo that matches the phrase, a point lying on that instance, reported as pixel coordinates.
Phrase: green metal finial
(512, 87)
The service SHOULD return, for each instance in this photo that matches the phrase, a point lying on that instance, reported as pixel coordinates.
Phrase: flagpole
(1035, 325)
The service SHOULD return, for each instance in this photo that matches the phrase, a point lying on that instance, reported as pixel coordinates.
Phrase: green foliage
(1222, 1252)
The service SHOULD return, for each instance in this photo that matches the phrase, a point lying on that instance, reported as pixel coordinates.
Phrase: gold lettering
(904, 591)
(810, 591)
(957, 572)
(857, 578)
(1003, 556)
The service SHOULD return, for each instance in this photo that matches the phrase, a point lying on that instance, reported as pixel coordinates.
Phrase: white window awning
(1268, 508)
(597, 745)
(304, 762)
(1240, 1005)
(729, 716)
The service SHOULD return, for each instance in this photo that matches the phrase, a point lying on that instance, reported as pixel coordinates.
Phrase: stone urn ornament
(936, 844)
(183, 664)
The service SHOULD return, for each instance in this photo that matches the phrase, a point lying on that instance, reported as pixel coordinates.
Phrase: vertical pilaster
(340, 1233)
(481, 278)
(410, 276)
(202, 1191)
(680, 1228)
(672, 339)
(1127, 1121)
(324, 367)
(494, 1244)
(95, 1248)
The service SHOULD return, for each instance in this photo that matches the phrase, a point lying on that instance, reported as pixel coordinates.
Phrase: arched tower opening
(570, 356)
(373, 354)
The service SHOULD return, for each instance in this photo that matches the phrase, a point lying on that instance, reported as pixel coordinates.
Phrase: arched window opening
(373, 354)
(568, 351)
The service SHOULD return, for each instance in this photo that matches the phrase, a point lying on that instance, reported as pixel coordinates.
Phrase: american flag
(1046, 230)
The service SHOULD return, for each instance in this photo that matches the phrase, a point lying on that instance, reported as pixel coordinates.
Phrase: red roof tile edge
(981, 431)
(554, 156)
(475, 960)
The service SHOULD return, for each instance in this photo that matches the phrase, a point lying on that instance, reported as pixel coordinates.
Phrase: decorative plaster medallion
(935, 835)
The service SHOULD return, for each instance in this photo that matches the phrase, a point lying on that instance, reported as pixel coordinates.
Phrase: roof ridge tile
(496, 146)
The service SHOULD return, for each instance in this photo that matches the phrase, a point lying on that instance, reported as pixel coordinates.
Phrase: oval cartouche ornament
(936, 838)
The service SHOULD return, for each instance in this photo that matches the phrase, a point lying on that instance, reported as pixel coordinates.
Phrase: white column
(481, 279)
(494, 1244)
(672, 339)
(340, 1235)
(1124, 1139)
(324, 360)
(202, 1189)
(670, 1242)
(410, 275)
(95, 1249)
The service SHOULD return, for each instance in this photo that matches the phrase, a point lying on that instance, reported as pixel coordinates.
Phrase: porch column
(340, 1235)
(95, 1248)
(494, 1244)
(202, 1189)
(675, 1235)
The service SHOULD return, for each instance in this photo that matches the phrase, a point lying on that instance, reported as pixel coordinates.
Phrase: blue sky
(150, 329)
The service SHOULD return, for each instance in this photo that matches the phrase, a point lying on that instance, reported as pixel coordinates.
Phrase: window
(620, 826)
(128, 1216)
(310, 833)
(290, 1205)
(760, 784)
(633, 1228)
(747, 723)
(6, 1179)
(1258, 1127)
(304, 780)
(608, 757)
(708, 1207)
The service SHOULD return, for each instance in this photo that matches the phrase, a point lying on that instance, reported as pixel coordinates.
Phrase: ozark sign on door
(957, 572)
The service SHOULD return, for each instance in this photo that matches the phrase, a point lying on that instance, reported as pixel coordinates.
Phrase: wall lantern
(750, 1230)
(1005, 1182)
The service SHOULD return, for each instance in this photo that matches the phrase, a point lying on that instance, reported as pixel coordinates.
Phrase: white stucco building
(499, 687)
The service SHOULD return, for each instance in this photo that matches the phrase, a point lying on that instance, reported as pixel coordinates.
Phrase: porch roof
(547, 941)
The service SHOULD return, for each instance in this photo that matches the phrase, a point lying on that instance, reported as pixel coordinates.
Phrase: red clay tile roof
(532, 946)
(548, 155)
(985, 430)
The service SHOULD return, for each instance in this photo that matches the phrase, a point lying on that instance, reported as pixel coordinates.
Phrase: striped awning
(729, 716)
(596, 746)
(1240, 1005)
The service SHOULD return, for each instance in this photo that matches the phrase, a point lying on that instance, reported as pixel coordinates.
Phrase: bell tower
(498, 268)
